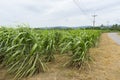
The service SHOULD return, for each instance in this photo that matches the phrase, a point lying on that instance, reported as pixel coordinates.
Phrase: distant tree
(115, 27)
(102, 26)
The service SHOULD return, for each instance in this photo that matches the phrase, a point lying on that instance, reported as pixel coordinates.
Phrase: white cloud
(58, 12)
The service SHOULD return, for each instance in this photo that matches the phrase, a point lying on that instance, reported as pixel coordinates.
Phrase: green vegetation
(24, 51)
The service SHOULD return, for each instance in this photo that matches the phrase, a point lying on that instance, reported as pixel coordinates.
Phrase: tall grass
(79, 42)
(24, 52)
(21, 52)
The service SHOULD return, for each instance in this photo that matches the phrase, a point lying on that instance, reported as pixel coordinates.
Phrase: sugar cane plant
(24, 51)
(21, 52)
(79, 44)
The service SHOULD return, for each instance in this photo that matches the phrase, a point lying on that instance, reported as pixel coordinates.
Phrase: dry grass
(105, 66)
(106, 60)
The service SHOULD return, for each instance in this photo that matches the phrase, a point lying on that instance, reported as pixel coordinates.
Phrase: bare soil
(105, 65)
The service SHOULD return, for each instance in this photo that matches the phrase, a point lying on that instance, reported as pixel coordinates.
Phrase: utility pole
(107, 23)
(94, 16)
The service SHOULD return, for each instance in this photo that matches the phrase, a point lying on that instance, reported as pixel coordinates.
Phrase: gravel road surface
(115, 37)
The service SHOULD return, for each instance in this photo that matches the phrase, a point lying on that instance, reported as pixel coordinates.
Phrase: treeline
(114, 27)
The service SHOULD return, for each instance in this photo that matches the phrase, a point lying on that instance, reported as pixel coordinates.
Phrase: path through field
(105, 65)
(107, 59)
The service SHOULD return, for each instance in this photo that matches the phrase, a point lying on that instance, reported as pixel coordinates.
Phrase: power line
(94, 16)
(108, 23)
(79, 7)
(76, 3)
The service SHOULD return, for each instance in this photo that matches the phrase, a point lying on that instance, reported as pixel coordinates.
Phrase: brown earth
(105, 65)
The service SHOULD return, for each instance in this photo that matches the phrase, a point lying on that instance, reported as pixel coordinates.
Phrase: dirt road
(107, 59)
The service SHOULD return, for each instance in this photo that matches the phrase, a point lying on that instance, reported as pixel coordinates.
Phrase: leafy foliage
(24, 51)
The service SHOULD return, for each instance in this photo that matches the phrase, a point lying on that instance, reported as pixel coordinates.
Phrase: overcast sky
(39, 13)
